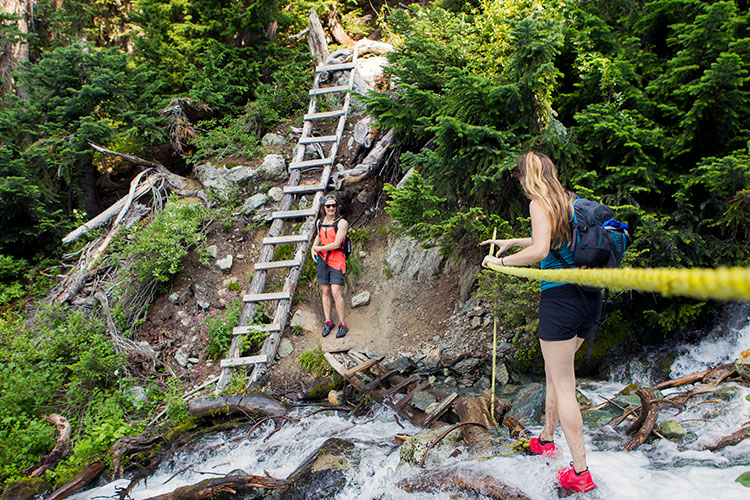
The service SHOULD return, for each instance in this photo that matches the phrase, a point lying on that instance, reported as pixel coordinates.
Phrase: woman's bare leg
(558, 362)
(338, 299)
(325, 297)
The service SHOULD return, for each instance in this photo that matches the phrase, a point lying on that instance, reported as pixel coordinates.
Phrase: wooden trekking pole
(494, 340)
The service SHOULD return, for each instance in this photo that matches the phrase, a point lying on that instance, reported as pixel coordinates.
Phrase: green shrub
(218, 324)
(159, 246)
(314, 362)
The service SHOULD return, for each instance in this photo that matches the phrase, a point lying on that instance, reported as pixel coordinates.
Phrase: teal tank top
(552, 262)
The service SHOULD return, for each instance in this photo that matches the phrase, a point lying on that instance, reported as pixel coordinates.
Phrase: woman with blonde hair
(567, 313)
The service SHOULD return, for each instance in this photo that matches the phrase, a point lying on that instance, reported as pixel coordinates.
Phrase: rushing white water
(659, 471)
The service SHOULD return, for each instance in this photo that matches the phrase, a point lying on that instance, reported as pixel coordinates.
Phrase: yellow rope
(729, 283)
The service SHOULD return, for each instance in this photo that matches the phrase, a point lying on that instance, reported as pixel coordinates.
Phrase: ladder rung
(322, 138)
(244, 330)
(250, 360)
(276, 264)
(329, 90)
(403, 401)
(260, 297)
(292, 214)
(334, 67)
(311, 163)
(280, 240)
(305, 188)
(325, 114)
(393, 390)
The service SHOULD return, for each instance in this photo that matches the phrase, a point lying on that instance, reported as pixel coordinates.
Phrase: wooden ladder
(255, 294)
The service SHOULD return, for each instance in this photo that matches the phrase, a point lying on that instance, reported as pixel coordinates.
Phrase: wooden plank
(250, 360)
(260, 297)
(276, 264)
(318, 139)
(329, 90)
(304, 188)
(361, 367)
(341, 370)
(320, 162)
(244, 330)
(322, 68)
(439, 410)
(402, 402)
(338, 348)
(280, 240)
(292, 214)
(324, 114)
(393, 390)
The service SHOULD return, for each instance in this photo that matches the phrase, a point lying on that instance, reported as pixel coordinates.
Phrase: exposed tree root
(730, 440)
(646, 421)
(62, 446)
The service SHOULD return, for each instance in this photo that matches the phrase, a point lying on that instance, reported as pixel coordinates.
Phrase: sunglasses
(330, 205)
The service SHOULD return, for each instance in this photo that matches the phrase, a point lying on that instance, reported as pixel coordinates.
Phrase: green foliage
(159, 246)
(646, 109)
(218, 324)
(744, 479)
(314, 362)
(64, 364)
(516, 308)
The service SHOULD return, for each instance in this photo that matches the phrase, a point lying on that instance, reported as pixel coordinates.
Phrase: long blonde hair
(538, 177)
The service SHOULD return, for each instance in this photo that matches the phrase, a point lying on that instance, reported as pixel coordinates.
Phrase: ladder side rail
(271, 344)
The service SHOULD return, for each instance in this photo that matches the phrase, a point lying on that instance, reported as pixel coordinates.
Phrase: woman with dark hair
(567, 313)
(327, 253)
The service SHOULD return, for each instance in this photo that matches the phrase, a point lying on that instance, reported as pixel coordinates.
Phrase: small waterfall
(660, 470)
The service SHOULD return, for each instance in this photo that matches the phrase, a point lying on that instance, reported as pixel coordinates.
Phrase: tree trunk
(14, 52)
(316, 39)
(62, 446)
(336, 29)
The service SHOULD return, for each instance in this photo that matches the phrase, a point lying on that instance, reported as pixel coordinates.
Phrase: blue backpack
(598, 239)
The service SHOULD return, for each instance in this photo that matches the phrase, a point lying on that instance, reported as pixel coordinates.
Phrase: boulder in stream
(415, 448)
(323, 472)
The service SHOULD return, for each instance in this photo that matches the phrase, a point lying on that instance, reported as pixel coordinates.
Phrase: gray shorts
(327, 275)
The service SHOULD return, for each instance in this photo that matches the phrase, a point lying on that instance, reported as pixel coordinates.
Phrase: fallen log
(62, 445)
(697, 377)
(646, 421)
(730, 440)
(463, 481)
(368, 165)
(181, 185)
(248, 405)
(474, 409)
(108, 214)
(338, 32)
(87, 475)
(232, 485)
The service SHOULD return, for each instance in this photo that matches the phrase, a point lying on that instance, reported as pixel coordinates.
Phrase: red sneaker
(578, 482)
(548, 449)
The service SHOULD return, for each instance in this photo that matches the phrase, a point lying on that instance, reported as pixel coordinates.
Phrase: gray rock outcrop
(407, 258)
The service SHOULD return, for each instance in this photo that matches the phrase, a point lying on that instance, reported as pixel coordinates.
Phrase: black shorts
(328, 275)
(566, 311)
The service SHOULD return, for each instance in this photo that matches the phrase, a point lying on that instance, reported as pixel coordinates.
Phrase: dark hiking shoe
(342, 331)
(327, 327)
